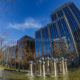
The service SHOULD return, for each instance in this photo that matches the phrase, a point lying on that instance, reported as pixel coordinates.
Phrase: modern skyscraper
(64, 21)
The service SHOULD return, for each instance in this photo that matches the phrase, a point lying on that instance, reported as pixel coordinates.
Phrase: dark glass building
(64, 21)
(26, 48)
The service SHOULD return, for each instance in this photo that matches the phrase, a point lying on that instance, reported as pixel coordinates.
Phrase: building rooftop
(25, 38)
(60, 7)
(57, 9)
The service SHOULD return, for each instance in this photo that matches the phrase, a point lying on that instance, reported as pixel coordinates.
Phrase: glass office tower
(64, 21)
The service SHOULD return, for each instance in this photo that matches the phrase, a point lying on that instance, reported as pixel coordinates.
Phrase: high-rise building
(26, 48)
(60, 47)
(77, 39)
(64, 21)
(19, 54)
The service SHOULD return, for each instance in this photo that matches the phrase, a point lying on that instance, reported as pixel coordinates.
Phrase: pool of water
(73, 74)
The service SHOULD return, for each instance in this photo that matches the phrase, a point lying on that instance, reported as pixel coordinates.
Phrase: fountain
(34, 67)
(55, 67)
(60, 66)
(63, 65)
(43, 68)
(52, 65)
(43, 65)
(66, 65)
(48, 64)
(40, 68)
(31, 68)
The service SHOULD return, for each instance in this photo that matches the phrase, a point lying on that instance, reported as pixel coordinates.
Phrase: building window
(54, 17)
(46, 43)
(38, 43)
(67, 33)
(70, 18)
(60, 13)
(75, 11)
(60, 28)
(53, 31)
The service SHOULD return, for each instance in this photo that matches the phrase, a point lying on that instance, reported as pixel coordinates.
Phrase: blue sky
(24, 17)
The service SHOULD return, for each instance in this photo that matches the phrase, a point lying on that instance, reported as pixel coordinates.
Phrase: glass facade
(70, 18)
(60, 13)
(65, 32)
(45, 38)
(53, 31)
(59, 27)
(54, 17)
(38, 43)
(75, 11)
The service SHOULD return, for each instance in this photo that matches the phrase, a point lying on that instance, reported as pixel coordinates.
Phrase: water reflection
(56, 78)
(31, 78)
(66, 77)
(2, 75)
(7, 75)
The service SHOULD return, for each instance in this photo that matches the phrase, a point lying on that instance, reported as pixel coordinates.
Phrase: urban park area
(54, 51)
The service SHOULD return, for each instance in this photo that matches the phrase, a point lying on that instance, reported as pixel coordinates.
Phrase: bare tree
(2, 39)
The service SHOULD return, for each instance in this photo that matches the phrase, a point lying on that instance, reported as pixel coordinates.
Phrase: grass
(2, 67)
(13, 75)
(5, 68)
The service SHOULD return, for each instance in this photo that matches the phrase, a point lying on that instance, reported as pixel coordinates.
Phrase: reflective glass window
(45, 38)
(60, 28)
(60, 13)
(54, 17)
(66, 32)
(75, 11)
(70, 18)
(53, 31)
(38, 43)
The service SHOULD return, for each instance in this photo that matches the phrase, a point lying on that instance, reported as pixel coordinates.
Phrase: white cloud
(29, 23)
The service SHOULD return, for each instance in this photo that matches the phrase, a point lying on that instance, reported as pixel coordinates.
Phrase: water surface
(73, 74)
